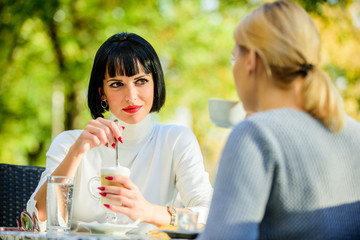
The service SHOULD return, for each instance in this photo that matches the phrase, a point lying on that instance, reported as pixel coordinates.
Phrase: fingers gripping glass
(28, 222)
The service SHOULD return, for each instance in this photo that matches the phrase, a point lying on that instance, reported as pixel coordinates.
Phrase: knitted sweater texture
(283, 175)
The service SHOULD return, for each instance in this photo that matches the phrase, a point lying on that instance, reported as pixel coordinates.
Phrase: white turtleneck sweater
(163, 159)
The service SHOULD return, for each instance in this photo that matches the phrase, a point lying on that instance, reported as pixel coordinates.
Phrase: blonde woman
(292, 169)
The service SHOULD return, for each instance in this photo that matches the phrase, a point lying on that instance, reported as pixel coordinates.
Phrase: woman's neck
(135, 133)
(272, 96)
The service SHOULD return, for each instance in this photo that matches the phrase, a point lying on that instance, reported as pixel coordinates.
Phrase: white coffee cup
(225, 113)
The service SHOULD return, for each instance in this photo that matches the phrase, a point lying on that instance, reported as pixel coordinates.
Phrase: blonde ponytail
(322, 100)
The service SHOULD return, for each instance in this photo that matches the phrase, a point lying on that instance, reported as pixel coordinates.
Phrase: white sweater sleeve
(192, 180)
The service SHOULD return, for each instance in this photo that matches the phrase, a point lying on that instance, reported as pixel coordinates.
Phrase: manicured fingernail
(120, 139)
(122, 127)
(101, 188)
(109, 178)
(113, 145)
(106, 144)
(102, 194)
(107, 205)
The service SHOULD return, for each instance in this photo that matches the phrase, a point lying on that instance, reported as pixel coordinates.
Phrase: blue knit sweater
(283, 175)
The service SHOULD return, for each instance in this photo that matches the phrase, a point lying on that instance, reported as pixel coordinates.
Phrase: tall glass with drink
(59, 203)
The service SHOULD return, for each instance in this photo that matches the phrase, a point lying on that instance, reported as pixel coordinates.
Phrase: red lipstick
(132, 109)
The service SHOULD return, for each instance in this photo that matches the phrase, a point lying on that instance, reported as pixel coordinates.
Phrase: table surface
(17, 235)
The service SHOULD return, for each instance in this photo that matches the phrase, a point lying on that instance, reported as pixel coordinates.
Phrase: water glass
(59, 203)
(188, 221)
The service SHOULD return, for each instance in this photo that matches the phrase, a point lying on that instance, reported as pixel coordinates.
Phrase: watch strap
(172, 212)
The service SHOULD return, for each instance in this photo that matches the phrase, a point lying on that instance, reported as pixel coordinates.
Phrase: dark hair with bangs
(119, 55)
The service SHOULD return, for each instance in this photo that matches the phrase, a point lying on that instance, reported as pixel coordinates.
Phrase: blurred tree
(24, 126)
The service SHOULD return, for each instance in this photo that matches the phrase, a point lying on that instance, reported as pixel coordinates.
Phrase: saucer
(114, 229)
(182, 235)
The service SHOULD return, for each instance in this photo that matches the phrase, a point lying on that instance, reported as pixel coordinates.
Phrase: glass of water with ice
(59, 203)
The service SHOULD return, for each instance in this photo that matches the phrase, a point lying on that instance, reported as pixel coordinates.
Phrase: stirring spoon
(117, 148)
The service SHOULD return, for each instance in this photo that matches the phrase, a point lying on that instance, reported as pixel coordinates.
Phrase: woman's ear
(250, 61)
(101, 94)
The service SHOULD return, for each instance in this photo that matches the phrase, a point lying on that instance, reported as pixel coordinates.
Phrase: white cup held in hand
(224, 113)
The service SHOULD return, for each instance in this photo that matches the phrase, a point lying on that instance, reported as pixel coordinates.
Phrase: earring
(104, 104)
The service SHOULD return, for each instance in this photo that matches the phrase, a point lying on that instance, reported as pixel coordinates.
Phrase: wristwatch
(172, 213)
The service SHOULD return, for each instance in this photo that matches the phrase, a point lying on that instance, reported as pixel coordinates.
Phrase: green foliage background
(47, 50)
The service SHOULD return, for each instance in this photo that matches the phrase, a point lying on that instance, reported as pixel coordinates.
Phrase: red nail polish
(122, 127)
(101, 188)
(106, 144)
(113, 145)
(102, 194)
(109, 178)
(120, 139)
(107, 205)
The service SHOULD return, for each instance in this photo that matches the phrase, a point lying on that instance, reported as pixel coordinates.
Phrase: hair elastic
(305, 68)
